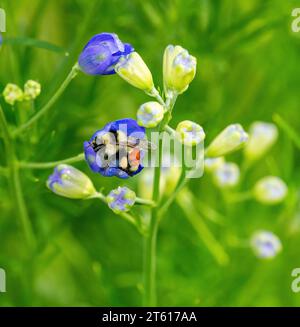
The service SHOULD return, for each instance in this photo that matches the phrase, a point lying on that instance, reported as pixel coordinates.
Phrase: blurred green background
(248, 69)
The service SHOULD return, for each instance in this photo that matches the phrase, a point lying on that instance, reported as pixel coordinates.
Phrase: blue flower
(102, 53)
(114, 150)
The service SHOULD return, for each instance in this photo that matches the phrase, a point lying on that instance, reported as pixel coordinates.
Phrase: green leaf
(30, 42)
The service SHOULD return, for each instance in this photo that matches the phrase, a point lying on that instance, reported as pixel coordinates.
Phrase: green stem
(151, 238)
(74, 71)
(150, 241)
(154, 93)
(126, 216)
(180, 185)
(12, 164)
(288, 129)
(46, 165)
(145, 202)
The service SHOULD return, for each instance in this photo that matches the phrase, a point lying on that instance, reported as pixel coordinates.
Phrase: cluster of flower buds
(265, 244)
(12, 93)
(69, 182)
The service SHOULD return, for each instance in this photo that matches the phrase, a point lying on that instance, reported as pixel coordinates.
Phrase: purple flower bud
(121, 199)
(116, 149)
(101, 54)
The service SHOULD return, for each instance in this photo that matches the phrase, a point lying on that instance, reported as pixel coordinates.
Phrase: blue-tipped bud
(211, 164)
(226, 175)
(265, 244)
(70, 182)
(190, 133)
(101, 54)
(232, 138)
(150, 114)
(270, 190)
(133, 70)
(261, 137)
(121, 199)
(179, 69)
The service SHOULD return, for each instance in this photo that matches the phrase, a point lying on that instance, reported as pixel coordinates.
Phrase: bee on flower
(117, 149)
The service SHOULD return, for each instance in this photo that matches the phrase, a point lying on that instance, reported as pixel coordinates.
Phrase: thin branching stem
(46, 165)
(15, 182)
(74, 71)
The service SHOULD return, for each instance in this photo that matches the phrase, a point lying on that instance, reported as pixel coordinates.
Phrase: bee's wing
(146, 145)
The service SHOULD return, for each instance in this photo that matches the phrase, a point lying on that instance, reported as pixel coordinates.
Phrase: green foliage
(248, 69)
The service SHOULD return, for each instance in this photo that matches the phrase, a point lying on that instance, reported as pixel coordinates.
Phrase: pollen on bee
(123, 163)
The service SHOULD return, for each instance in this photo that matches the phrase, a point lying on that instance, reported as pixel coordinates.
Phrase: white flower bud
(133, 70)
(270, 190)
(226, 175)
(261, 137)
(150, 114)
(232, 138)
(179, 69)
(265, 244)
(211, 164)
(190, 133)
(70, 182)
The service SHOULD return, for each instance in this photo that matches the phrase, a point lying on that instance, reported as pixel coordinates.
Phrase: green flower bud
(179, 69)
(12, 93)
(190, 133)
(150, 114)
(32, 90)
(70, 182)
(270, 190)
(133, 70)
(261, 137)
(232, 138)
